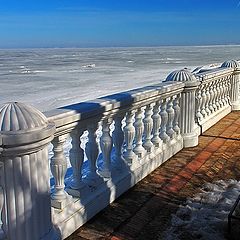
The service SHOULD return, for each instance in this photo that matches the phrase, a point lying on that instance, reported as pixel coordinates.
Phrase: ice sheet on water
(204, 216)
(50, 78)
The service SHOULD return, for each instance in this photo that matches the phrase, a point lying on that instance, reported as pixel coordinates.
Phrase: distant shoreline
(120, 47)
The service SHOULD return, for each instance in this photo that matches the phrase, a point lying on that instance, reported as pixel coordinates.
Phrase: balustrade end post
(235, 83)
(187, 104)
(26, 134)
(236, 103)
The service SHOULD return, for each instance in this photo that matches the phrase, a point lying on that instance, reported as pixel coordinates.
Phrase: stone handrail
(115, 141)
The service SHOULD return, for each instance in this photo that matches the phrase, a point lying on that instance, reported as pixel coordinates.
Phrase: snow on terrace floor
(204, 216)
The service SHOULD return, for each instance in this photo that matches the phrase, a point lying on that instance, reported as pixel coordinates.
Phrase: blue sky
(109, 23)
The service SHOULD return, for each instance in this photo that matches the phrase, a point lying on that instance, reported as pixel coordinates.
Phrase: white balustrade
(213, 96)
(150, 125)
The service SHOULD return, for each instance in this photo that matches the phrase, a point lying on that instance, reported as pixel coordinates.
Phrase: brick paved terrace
(144, 212)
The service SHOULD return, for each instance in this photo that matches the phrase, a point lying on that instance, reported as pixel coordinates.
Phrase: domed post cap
(232, 64)
(23, 124)
(184, 76)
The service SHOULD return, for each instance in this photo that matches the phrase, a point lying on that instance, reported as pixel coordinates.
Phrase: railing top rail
(214, 73)
(88, 109)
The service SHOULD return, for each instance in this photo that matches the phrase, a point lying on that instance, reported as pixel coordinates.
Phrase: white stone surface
(187, 105)
(25, 172)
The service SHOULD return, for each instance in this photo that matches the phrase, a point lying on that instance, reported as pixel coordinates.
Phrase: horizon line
(98, 47)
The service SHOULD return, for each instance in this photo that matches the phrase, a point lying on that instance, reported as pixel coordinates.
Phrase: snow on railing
(113, 142)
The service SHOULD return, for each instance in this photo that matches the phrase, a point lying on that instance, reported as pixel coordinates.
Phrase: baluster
(224, 99)
(229, 90)
(92, 151)
(218, 95)
(199, 105)
(203, 110)
(118, 139)
(129, 133)
(59, 168)
(226, 91)
(215, 96)
(138, 124)
(164, 120)
(106, 145)
(211, 108)
(177, 109)
(148, 125)
(170, 112)
(221, 92)
(76, 156)
(207, 100)
(156, 140)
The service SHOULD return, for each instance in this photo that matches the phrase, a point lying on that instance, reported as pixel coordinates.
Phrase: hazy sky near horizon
(109, 23)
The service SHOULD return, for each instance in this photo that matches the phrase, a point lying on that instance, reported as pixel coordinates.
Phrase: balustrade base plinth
(236, 106)
(60, 204)
(190, 140)
(84, 190)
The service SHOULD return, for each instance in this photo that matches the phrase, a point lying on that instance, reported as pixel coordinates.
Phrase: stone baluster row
(211, 97)
(146, 128)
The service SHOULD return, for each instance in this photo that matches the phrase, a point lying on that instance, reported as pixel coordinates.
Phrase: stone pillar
(26, 134)
(234, 90)
(187, 106)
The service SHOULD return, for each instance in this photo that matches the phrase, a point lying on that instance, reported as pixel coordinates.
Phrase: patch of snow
(204, 216)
